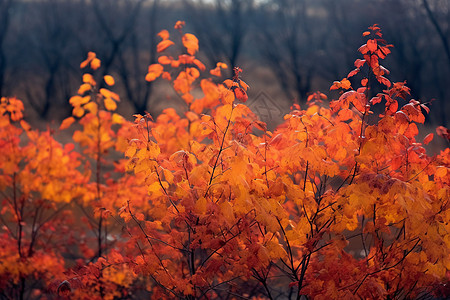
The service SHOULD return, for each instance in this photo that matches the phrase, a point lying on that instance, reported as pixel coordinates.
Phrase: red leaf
(384, 81)
(240, 94)
(359, 62)
(443, 132)
(353, 73)
(336, 85)
(372, 45)
(428, 139)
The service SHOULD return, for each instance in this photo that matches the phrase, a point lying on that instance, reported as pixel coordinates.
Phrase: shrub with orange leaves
(208, 203)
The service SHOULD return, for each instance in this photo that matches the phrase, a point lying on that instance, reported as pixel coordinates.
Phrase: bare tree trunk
(445, 43)
(5, 6)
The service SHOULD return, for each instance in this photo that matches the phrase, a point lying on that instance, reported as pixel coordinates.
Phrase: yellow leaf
(275, 250)
(78, 112)
(108, 94)
(110, 104)
(117, 119)
(92, 107)
(200, 205)
(131, 151)
(76, 100)
(109, 80)
(227, 211)
(154, 189)
(226, 95)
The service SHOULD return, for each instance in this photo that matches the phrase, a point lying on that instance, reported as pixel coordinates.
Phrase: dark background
(287, 48)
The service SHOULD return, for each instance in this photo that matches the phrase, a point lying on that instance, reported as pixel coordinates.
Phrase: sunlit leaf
(66, 123)
(110, 104)
(154, 71)
(109, 80)
(190, 42)
(163, 45)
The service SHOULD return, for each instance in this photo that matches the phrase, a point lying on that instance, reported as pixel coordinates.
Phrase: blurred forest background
(287, 48)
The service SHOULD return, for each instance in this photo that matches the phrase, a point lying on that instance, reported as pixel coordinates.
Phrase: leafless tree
(50, 80)
(291, 38)
(222, 26)
(439, 15)
(125, 52)
(5, 6)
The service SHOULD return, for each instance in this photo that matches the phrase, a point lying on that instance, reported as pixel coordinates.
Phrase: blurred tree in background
(302, 45)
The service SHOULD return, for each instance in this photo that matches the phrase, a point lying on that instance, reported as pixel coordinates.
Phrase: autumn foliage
(206, 203)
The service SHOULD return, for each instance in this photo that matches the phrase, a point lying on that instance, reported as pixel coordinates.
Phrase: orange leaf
(78, 100)
(66, 123)
(345, 84)
(216, 72)
(84, 88)
(78, 112)
(229, 83)
(190, 41)
(88, 78)
(163, 45)
(166, 76)
(110, 104)
(154, 71)
(227, 96)
(91, 56)
(140, 217)
(109, 80)
(243, 84)
(199, 64)
(179, 25)
(441, 172)
(95, 64)
(165, 60)
(108, 94)
(164, 34)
